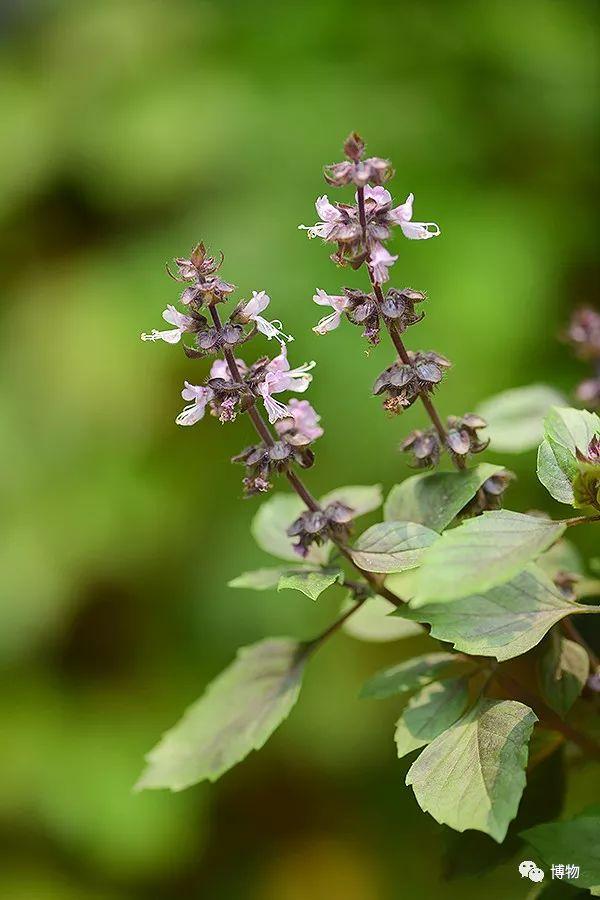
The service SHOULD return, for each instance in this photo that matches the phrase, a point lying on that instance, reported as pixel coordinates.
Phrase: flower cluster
(355, 170)
(461, 439)
(365, 310)
(360, 231)
(232, 385)
(583, 333)
(225, 393)
(296, 432)
(403, 382)
(359, 241)
(317, 526)
(204, 286)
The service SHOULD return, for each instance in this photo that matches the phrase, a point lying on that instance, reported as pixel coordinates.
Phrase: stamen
(275, 409)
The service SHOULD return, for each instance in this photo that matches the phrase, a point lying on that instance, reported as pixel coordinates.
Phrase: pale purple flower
(279, 377)
(329, 215)
(250, 312)
(220, 369)
(200, 396)
(379, 195)
(302, 421)
(379, 262)
(181, 322)
(337, 303)
(402, 216)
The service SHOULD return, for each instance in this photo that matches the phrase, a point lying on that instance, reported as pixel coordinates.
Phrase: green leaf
(269, 527)
(435, 499)
(373, 622)
(552, 476)
(392, 546)
(430, 712)
(516, 417)
(563, 669)
(473, 774)
(482, 553)
(566, 431)
(504, 622)
(295, 577)
(575, 842)
(360, 498)
(571, 428)
(561, 557)
(236, 714)
(410, 674)
(310, 583)
(259, 579)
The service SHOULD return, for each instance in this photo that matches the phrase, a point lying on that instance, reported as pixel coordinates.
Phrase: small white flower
(380, 261)
(195, 411)
(182, 324)
(220, 369)
(279, 377)
(331, 321)
(302, 421)
(251, 310)
(402, 216)
(330, 217)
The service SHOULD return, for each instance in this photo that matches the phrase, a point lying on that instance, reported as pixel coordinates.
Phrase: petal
(259, 302)
(326, 210)
(220, 369)
(419, 231)
(174, 317)
(299, 385)
(404, 212)
(328, 323)
(191, 414)
(322, 298)
(279, 363)
(275, 409)
(261, 299)
(271, 329)
(169, 337)
(192, 391)
(379, 194)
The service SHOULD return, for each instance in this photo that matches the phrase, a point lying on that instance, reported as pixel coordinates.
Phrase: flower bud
(489, 496)
(462, 437)
(399, 306)
(425, 447)
(354, 146)
(404, 382)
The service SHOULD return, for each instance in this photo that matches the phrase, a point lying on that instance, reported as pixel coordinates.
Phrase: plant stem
(375, 581)
(580, 520)
(395, 335)
(313, 644)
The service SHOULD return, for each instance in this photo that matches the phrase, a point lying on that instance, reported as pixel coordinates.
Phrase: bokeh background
(129, 131)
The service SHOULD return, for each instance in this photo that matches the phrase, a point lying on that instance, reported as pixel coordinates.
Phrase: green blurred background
(130, 130)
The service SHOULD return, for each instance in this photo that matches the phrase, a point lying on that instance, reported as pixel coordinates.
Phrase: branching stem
(262, 429)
